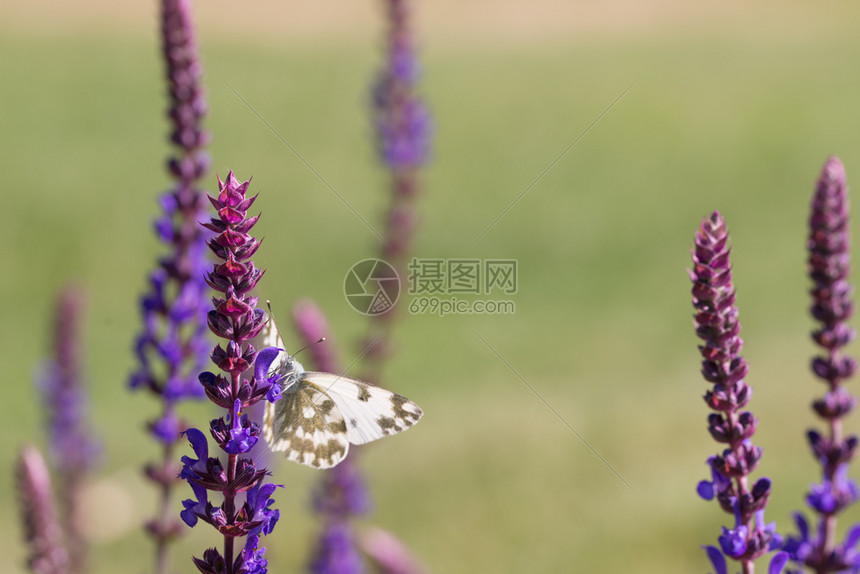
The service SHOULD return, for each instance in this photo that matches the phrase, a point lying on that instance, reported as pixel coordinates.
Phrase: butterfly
(320, 414)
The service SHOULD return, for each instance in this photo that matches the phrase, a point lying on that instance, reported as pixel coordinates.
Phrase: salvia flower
(172, 347)
(716, 322)
(245, 505)
(46, 553)
(73, 448)
(832, 306)
(341, 492)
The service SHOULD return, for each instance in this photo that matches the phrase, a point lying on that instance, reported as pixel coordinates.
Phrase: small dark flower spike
(716, 322)
(42, 535)
(234, 317)
(832, 305)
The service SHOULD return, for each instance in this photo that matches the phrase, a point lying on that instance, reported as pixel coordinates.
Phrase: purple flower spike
(235, 317)
(73, 449)
(172, 346)
(716, 322)
(42, 534)
(832, 306)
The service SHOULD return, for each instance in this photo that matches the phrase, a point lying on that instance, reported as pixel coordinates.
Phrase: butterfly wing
(307, 426)
(369, 412)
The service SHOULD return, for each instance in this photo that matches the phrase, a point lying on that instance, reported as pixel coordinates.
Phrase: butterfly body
(320, 414)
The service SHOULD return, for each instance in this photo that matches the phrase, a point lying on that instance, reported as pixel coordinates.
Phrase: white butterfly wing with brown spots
(370, 412)
(307, 426)
(319, 414)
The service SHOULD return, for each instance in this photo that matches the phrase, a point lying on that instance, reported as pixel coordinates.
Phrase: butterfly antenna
(320, 340)
(275, 325)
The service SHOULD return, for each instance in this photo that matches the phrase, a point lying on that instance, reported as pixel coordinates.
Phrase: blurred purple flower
(716, 322)
(832, 306)
(235, 317)
(73, 447)
(402, 121)
(336, 552)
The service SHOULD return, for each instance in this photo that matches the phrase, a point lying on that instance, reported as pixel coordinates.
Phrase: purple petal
(852, 537)
(705, 490)
(274, 393)
(734, 542)
(717, 559)
(265, 358)
(240, 441)
(802, 525)
(777, 563)
(166, 429)
(198, 443)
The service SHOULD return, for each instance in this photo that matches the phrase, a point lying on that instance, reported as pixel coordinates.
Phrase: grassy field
(735, 117)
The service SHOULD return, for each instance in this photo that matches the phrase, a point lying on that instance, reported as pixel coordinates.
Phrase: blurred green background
(734, 108)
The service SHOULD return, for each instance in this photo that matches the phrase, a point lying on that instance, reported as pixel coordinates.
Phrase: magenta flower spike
(172, 347)
(244, 510)
(73, 448)
(46, 553)
(832, 306)
(716, 322)
(341, 493)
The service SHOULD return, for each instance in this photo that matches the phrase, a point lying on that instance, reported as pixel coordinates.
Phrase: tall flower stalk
(236, 319)
(73, 449)
(172, 347)
(341, 493)
(716, 322)
(832, 306)
(403, 139)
